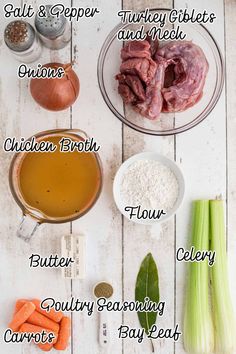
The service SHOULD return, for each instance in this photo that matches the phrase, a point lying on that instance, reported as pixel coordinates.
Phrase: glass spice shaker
(54, 32)
(22, 40)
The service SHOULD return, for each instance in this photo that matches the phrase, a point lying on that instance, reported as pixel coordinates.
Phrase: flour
(150, 184)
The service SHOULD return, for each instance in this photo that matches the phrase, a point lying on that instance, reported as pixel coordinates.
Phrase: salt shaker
(54, 32)
(22, 40)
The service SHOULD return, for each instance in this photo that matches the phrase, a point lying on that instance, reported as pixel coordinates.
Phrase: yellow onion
(56, 94)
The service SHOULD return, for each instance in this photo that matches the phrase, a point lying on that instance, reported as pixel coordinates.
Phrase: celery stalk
(198, 326)
(223, 313)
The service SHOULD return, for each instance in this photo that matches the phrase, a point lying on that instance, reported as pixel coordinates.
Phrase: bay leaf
(147, 285)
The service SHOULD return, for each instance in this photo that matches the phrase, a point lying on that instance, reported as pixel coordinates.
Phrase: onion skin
(59, 93)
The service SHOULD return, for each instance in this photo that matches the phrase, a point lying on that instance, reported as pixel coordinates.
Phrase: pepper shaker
(22, 40)
(54, 32)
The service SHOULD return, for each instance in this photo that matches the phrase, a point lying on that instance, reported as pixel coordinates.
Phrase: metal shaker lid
(19, 36)
(50, 26)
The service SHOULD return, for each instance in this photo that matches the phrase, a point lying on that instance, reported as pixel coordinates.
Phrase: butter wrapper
(74, 246)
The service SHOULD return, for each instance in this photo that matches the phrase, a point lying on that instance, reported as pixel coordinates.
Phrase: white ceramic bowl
(148, 156)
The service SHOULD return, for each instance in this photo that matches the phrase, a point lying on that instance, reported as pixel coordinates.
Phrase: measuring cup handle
(27, 228)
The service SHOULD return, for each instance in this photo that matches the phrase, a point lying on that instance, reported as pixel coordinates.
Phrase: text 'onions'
(56, 94)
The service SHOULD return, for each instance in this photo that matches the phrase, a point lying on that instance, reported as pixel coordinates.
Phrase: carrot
(40, 320)
(52, 314)
(19, 304)
(21, 316)
(64, 334)
(45, 347)
(29, 328)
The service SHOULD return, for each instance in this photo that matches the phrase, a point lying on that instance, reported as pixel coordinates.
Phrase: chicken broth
(59, 184)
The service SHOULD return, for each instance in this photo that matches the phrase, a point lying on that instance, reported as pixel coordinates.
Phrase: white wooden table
(115, 247)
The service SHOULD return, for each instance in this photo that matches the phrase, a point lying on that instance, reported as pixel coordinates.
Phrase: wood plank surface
(230, 36)
(201, 152)
(23, 117)
(140, 239)
(102, 225)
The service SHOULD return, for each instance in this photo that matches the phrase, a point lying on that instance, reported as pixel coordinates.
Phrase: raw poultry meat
(144, 68)
(140, 81)
(131, 88)
(152, 106)
(136, 49)
(167, 79)
(189, 68)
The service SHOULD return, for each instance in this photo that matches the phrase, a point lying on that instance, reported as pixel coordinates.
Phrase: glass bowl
(169, 123)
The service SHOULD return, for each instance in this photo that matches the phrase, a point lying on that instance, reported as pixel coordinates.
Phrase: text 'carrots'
(30, 318)
(29, 328)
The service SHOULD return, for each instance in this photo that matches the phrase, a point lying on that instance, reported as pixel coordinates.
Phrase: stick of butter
(74, 246)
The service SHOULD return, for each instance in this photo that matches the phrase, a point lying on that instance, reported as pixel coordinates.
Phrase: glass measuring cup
(32, 216)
